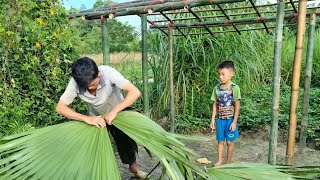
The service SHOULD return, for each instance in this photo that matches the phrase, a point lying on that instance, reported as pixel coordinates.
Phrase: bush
(36, 52)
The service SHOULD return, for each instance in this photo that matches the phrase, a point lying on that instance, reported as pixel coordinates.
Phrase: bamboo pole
(296, 81)
(307, 83)
(145, 64)
(172, 127)
(105, 41)
(272, 156)
(243, 21)
(155, 8)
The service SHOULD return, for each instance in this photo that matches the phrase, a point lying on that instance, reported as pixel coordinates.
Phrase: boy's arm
(213, 118)
(214, 111)
(236, 111)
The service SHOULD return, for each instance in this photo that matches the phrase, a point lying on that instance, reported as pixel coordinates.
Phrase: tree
(123, 37)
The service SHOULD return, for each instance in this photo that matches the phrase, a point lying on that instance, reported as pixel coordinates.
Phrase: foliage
(72, 150)
(36, 52)
(195, 61)
(122, 36)
(76, 150)
(244, 170)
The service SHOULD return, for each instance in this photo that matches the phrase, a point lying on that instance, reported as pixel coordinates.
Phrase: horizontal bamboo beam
(144, 9)
(243, 21)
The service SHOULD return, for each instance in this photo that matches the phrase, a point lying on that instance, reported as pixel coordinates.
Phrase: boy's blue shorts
(223, 131)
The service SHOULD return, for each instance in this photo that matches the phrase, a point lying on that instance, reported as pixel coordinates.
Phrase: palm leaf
(72, 150)
(261, 171)
(164, 145)
(75, 150)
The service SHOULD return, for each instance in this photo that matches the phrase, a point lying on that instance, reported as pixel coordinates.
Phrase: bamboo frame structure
(244, 21)
(165, 5)
(307, 83)
(227, 9)
(296, 81)
(272, 159)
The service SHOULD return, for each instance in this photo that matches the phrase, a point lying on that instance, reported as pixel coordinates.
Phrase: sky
(133, 20)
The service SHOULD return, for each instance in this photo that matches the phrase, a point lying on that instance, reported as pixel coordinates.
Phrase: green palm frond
(72, 150)
(171, 152)
(259, 171)
(75, 150)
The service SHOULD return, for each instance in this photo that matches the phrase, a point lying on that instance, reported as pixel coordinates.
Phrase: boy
(101, 88)
(226, 106)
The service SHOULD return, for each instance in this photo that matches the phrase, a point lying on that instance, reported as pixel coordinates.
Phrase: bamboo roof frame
(162, 14)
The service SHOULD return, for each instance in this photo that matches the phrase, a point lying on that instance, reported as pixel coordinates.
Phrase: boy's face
(225, 75)
(93, 85)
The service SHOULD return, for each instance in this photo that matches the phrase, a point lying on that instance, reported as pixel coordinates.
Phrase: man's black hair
(84, 70)
(226, 64)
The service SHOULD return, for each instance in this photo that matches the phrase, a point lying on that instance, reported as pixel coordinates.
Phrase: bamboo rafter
(166, 8)
(244, 21)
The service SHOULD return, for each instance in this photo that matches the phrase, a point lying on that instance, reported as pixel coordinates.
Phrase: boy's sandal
(203, 161)
(141, 175)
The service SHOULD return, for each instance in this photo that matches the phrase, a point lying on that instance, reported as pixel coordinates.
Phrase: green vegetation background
(38, 44)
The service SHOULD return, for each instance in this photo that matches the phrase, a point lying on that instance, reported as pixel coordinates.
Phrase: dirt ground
(250, 147)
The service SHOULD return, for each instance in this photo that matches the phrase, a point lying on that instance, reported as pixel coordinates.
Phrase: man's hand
(97, 121)
(213, 126)
(110, 117)
(233, 126)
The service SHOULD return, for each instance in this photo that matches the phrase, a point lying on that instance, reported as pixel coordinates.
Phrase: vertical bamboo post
(172, 127)
(307, 82)
(295, 81)
(105, 40)
(145, 64)
(276, 83)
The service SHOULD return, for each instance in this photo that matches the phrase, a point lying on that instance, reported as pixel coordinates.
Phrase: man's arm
(133, 94)
(64, 110)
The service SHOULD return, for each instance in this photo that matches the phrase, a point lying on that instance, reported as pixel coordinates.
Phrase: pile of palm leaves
(75, 150)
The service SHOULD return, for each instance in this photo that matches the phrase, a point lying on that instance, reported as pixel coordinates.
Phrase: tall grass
(196, 59)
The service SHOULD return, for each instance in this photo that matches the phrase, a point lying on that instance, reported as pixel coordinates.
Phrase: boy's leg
(220, 153)
(231, 136)
(220, 136)
(229, 151)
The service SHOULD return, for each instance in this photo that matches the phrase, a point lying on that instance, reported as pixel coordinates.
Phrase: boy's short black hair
(83, 71)
(226, 64)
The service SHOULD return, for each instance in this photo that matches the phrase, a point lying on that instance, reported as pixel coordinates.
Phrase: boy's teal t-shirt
(225, 99)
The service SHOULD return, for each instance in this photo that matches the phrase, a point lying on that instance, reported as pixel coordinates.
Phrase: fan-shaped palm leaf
(72, 150)
(164, 145)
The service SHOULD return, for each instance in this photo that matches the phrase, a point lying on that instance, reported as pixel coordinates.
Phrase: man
(101, 89)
